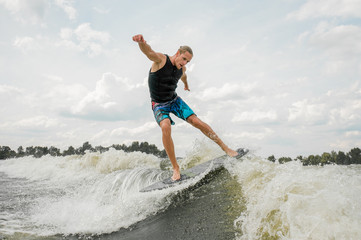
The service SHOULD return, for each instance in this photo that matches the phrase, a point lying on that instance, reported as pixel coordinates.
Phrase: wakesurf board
(209, 166)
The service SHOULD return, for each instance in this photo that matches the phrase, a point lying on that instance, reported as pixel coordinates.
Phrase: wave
(91, 194)
(99, 193)
(291, 201)
(94, 193)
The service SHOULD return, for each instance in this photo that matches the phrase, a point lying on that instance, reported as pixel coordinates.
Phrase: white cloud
(347, 114)
(227, 91)
(134, 131)
(345, 144)
(258, 134)
(307, 112)
(6, 89)
(100, 136)
(63, 95)
(33, 11)
(53, 78)
(85, 33)
(81, 39)
(25, 43)
(340, 41)
(340, 109)
(26, 11)
(255, 115)
(84, 39)
(353, 133)
(29, 44)
(327, 8)
(33, 123)
(112, 99)
(101, 10)
(338, 48)
(66, 5)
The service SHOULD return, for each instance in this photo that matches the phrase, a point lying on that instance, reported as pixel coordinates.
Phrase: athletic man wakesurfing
(163, 79)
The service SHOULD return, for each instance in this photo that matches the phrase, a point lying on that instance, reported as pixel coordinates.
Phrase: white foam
(70, 167)
(202, 151)
(101, 205)
(291, 201)
(94, 193)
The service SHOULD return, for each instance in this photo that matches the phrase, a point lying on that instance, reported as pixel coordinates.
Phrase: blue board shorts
(177, 106)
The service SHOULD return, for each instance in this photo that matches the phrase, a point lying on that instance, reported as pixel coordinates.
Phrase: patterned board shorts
(177, 106)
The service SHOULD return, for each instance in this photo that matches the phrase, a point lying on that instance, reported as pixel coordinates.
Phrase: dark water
(206, 212)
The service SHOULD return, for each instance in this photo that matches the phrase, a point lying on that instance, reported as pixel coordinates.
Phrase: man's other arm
(184, 80)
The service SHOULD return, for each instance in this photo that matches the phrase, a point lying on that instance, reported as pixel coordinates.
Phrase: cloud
(340, 48)
(58, 96)
(148, 126)
(33, 123)
(101, 10)
(340, 109)
(53, 78)
(345, 144)
(10, 95)
(343, 40)
(26, 11)
(33, 11)
(85, 33)
(81, 39)
(258, 134)
(327, 8)
(6, 89)
(355, 133)
(346, 115)
(307, 112)
(114, 98)
(227, 91)
(26, 44)
(66, 5)
(84, 39)
(255, 115)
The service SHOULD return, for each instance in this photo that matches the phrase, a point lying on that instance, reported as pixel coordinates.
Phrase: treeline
(7, 152)
(340, 158)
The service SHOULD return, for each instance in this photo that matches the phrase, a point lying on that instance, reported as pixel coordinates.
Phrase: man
(163, 79)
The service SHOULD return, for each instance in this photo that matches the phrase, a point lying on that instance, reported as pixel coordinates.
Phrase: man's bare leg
(208, 131)
(169, 146)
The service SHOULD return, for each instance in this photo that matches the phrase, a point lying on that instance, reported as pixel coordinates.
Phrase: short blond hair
(183, 49)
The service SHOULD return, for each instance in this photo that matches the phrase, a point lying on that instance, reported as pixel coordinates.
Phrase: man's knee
(194, 121)
(166, 126)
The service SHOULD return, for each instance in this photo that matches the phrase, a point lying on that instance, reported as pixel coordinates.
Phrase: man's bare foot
(231, 152)
(176, 174)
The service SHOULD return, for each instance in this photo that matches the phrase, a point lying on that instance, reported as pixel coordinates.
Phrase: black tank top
(162, 83)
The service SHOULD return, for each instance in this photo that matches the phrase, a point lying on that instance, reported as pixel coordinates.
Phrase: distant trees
(7, 152)
(340, 158)
(141, 147)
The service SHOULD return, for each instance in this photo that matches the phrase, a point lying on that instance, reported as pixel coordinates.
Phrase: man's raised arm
(147, 50)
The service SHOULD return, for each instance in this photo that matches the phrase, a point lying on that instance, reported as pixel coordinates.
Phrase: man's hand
(138, 38)
(157, 58)
(186, 88)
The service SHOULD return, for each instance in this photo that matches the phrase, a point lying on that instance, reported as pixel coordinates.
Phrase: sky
(280, 77)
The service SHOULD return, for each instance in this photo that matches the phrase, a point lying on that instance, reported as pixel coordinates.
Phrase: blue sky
(280, 77)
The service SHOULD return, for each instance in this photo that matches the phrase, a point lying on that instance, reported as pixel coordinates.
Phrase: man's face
(182, 59)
